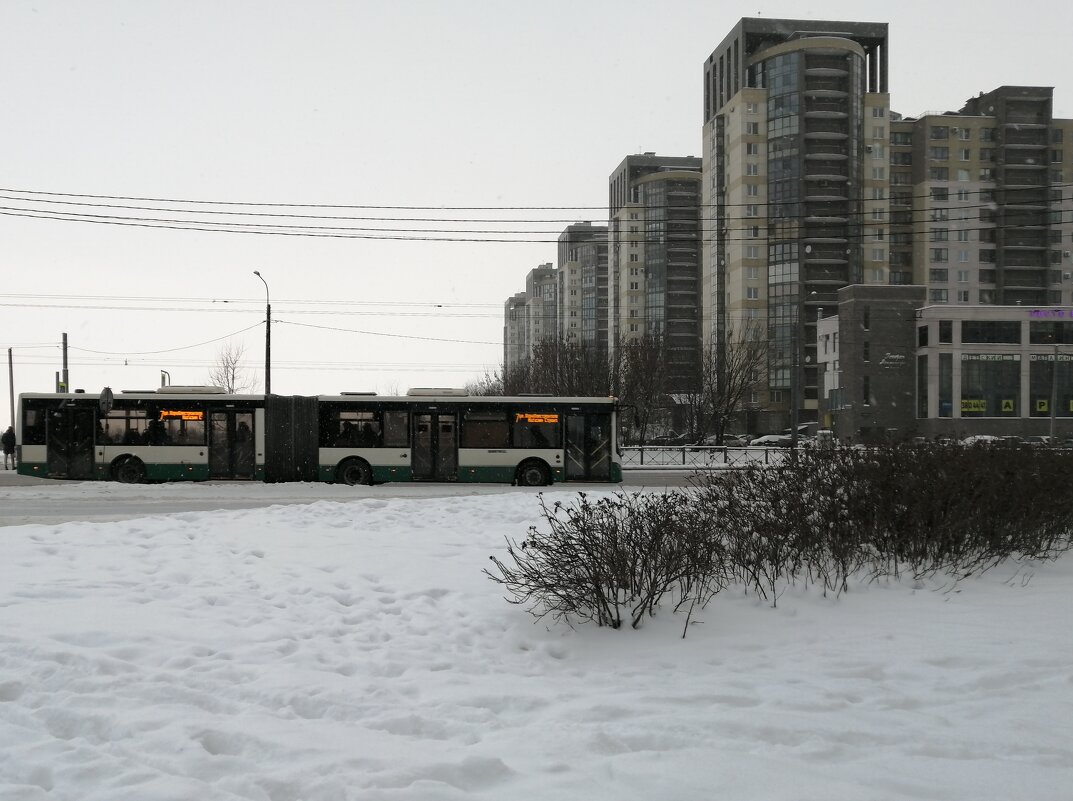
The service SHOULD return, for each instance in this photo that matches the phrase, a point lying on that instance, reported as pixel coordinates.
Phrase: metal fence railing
(698, 457)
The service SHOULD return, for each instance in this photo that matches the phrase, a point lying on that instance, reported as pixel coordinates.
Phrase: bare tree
(644, 381)
(731, 372)
(228, 371)
(491, 383)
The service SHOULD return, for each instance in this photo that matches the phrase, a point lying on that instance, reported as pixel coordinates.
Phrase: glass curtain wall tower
(795, 188)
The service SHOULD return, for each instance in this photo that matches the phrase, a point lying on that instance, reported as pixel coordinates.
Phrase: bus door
(435, 449)
(69, 452)
(231, 446)
(588, 446)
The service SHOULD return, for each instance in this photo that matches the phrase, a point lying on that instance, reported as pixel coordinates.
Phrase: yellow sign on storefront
(974, 405)
(1007, 404)
(1042, 405)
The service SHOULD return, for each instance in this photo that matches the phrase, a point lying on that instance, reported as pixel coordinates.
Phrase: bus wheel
(129, 471)
(533, 474)
(355, 471)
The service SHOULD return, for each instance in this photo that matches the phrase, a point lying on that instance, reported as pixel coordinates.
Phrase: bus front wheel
(533, 474)
(129, 471)
(355, 471)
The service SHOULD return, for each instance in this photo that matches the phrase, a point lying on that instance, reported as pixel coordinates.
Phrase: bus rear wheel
(533, 474)
(355, 471)
(129, 471)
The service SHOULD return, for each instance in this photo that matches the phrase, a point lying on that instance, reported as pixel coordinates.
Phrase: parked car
(1038, 442)
(772, 441)
(671, 439)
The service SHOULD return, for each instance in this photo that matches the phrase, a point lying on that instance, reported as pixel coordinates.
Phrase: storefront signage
(990, 357)
(974, 405)
(1051, 314)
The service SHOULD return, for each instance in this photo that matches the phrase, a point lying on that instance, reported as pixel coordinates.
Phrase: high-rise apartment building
(583, 298)
(541, 308)
(654, 257)
(795, 195)
(515, 340)
(980, 205)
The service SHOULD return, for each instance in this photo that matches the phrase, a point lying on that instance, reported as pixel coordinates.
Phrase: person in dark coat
(8, 440)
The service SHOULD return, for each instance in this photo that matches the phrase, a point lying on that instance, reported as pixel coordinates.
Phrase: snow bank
(354, 651)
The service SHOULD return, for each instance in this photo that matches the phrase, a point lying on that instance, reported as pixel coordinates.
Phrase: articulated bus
(201, 433)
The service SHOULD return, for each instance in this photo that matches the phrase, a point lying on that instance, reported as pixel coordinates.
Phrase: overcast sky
(469, 107)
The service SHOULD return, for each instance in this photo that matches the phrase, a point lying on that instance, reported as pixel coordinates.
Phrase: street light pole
(268, 335)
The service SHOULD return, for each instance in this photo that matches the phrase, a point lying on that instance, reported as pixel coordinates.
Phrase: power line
(394, 336)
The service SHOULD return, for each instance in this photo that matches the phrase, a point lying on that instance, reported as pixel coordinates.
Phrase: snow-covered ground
(353, 650)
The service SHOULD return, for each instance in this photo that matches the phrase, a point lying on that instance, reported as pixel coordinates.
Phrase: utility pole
(64, 379)
(268, 335)
(11, 385)
(1054, 392)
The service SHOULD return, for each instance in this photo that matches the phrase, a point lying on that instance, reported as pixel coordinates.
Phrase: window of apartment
(939, 132)
(939, 295)
(938, 173)
(752, 273)
(752, 252)
(866, 351)
(964, 154)
(879, 234)
(752, 190)
(987, 297)
(939, 234)
(1004, 332)
(963, 175)
(879, 132)
(963, 196)
(879, 173)
(985, 173)
(878, 111)
(752, 128)
(775, 396)
(879, 193)
(902, 159)
(987, 276)
(1056, 155)
(963, 296)
(635, 284)
(875, 275)
(752, 168)
(751, 108)
(987, 134)
(940, 153)
(939, 255)
(866, 391)
(633, 257)
(946, 332)
(963, 276)
(752, 231)
(879, 254)
(965, 133)
(901, 138)
(938, 275)
(752, 210)
(866, 317)
(1056, 136)
(752, 293)
(879, 215)
(752, 148)
(940, 215)
(963, 235)
(1057, 176)
(634, 229)
(940, 194)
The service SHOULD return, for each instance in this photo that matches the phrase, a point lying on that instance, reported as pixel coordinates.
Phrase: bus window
(397, 429)
(33, 426)
(357, 430)
(484, 429)
(537, 430)
(123, 427)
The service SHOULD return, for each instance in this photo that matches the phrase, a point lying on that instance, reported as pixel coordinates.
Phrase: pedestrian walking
(8, 440)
